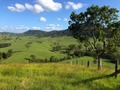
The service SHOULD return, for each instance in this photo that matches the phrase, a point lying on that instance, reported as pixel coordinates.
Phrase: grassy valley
(59, 45)
(40, 47)
(17, 73)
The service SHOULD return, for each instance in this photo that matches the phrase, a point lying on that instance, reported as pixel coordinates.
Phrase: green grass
(17, 74)
(55, 77)
(83, 61)
(40, 50)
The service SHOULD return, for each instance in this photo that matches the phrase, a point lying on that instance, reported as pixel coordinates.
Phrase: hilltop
(45, 33)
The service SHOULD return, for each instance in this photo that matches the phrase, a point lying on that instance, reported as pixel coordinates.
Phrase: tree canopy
(97, 27)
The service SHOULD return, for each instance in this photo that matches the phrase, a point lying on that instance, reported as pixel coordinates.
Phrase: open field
(17, 74)
(55, 77)
(40, 47)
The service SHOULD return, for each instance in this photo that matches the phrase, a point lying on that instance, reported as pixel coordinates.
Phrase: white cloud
(74, 5)
(42, 19)
(59, 19)
(17, 29)
(58, 25)
(65, 19)
(67, 6)
(36, 8)
(16, 8)
(50, 5)
(21, 27)
(29, 7)
(35, 28)
(51, 27)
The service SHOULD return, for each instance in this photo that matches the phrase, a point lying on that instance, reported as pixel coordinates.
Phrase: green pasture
(40, 47)
(73, 74)
(55, 76)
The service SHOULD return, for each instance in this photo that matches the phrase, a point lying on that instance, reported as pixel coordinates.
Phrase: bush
(89, 53)
(3, 45)
(9, 53)
(78, 53)
(111, 57)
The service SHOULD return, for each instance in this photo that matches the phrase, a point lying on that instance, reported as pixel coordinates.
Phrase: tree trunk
(99, 63)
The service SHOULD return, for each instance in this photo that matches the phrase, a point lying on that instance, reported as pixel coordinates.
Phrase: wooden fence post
(76, 62)
(82, 62)
(116, 67)
(88, 63)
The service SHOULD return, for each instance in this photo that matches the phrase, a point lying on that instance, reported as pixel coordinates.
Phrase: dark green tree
(33, 58)
(27, 46)
(52, 58)
(9, 53)
(56, 46)
(0, 57)
(96, 27)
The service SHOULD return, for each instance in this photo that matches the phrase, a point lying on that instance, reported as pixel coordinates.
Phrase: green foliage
(99, 23)
(4, 55)
(33, 58)
(9, 53)
(52, 58)
(3, 45)
(74, 51)
(56, 46)
(28, 45)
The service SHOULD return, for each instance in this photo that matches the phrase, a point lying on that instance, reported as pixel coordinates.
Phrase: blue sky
(21, 15)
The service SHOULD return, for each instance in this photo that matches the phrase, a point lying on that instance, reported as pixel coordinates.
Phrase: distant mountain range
(41, 33)
(8, 33)
(44, 33)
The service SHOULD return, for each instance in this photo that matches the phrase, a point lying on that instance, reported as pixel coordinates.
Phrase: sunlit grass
(55, 77)
(40, 50)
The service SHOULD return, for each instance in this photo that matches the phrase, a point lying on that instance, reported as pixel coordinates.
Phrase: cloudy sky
(21, 15)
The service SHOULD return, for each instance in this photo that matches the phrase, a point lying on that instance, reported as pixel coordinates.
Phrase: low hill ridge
(45, 33)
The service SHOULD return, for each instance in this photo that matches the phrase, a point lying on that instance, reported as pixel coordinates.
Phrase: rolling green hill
(17, 73)
(40, 47)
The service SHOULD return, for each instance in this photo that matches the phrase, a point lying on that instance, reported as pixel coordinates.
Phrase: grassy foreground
(55, 77)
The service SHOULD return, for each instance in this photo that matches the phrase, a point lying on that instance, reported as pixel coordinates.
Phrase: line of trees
(34, 59)
(3, 45)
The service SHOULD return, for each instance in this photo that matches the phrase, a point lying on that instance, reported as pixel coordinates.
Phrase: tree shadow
(17, 51)
(95, 78)
(117, 87)
(27, 59)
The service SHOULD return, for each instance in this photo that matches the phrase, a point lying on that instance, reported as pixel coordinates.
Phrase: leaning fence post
(88, 63)
(116, 67)
(82, 62)
(76, 62)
